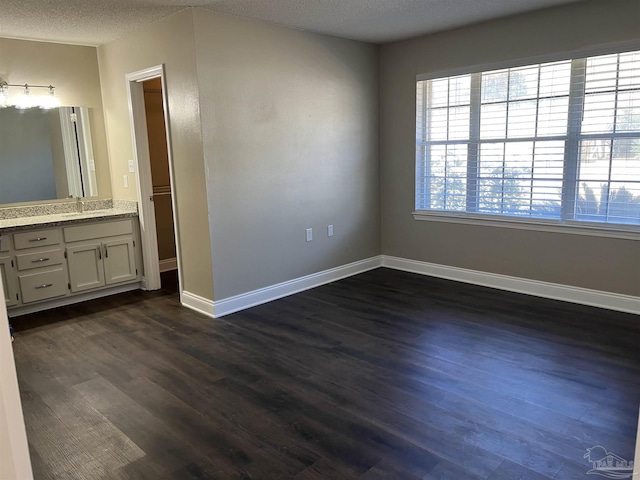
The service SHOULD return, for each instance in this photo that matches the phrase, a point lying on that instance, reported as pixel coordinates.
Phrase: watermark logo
(608, 464)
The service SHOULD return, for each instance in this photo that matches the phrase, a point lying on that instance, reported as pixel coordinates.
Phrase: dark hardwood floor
(385, 375)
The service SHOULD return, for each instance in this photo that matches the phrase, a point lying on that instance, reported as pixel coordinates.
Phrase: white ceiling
(94, 22)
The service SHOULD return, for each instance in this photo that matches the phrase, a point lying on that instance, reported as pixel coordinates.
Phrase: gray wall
(168, 42)
(592, 262)
(290, 137)
(274, 130)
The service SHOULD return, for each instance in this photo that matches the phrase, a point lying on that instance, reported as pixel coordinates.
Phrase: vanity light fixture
(26, 99)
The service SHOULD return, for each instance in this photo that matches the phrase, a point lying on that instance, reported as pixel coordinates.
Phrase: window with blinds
(556, 141)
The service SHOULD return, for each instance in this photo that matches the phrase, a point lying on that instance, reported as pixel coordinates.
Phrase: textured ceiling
(94, 22)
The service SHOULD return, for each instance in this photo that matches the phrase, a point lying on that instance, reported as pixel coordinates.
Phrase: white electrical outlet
(125, 179)
(330, 231)
(132, 166)
(309, 234)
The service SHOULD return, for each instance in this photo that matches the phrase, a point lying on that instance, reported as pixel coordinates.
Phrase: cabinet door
(85, 266)
(119, 261)
(9, 281)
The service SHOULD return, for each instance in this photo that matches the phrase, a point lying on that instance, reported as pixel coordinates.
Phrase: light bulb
(24, 100)
(49, 100)
(4, 97)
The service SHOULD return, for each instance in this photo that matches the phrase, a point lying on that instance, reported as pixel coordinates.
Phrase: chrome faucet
(79, 205)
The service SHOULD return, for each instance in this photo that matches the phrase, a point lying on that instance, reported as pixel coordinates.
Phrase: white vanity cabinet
(7, 269)
(46, 267)
(101, 254)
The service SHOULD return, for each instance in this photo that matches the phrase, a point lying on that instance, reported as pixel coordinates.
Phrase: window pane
(516, 196)
(523, 83)
(599, 110)
(457, 161)
(507, 196)
(628, 113)
(629, 76)
(601, 202)
(548, 160)
(546, 198)
(460, 90)
(522, 119)
(448, 172)
(609, 181)
(491, 159)
(601, 73)
(553, 115)
(437, 124)
(589, 205)
(495, 86)
(595, 155)
(518, 159)
(436, 194)
(555, 79)
(439, 93)
(624, 202)
(437, 161)
(493, 120)
(459, 123)
(625, 161)
(490, 195)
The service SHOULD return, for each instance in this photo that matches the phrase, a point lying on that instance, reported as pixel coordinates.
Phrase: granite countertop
(63, 219)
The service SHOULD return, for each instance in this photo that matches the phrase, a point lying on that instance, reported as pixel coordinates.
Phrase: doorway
(161, 182)
(154, 168)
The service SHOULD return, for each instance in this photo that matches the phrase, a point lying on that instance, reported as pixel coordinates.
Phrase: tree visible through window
(556, 140)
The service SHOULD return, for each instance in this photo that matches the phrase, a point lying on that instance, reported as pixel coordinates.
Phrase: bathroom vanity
(60, 258)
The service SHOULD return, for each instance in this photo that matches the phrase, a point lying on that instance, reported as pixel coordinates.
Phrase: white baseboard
(197, 303)
(168, 264)
(236, 303)
(567, 293)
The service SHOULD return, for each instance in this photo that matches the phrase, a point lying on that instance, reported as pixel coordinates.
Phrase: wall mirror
(46, 154)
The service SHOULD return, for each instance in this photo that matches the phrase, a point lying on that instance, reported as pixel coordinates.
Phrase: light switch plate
(132, 166)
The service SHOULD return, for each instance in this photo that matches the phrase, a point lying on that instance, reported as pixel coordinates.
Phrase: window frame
(612, 230)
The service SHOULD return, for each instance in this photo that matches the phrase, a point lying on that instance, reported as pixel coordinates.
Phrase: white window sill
(630, 232)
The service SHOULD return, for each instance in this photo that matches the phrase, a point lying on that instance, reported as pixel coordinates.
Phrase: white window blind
(556, 140)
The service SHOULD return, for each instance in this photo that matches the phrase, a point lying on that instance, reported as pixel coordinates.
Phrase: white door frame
(138, 121)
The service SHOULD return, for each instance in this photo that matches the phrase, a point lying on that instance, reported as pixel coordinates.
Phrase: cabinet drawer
(98, 230)
(42, 258)
(38, 238)
(43, 285)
